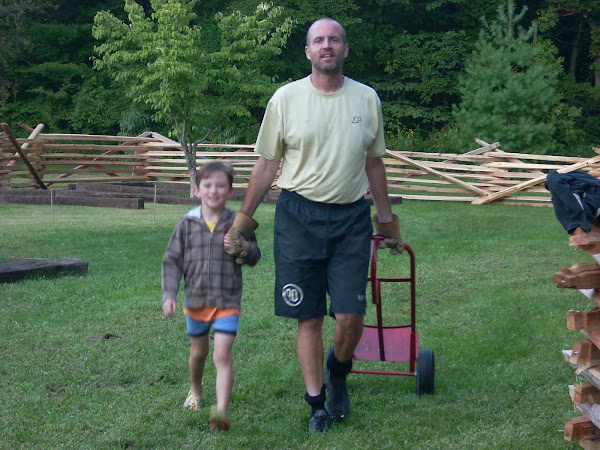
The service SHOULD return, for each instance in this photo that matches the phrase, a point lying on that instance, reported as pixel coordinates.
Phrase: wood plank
(95, 179)
(453, 180)
(91, 163)
(585, 353)
(580, 428)
(522, 165)
(33, 172)
(533, 182)
(580, 320)
(162, 138)
(118, 148)
(592, 410)
(111, 202)
(91, 137)
(470, 168)
(590, 444)
(38, 267)
(586, 393)
(33, 134)
(528, 204)
(593, 336)
(409, 187)
(579, 276)
(437, 198)
(589, 238)
(563, 159)
(592, 374)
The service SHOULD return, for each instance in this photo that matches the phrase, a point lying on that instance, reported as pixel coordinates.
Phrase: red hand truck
(399, 343)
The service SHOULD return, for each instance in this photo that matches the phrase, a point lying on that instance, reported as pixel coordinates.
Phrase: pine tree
(508, 89)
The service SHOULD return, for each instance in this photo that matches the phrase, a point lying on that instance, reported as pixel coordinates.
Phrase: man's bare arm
(375, 169)
(260, 182)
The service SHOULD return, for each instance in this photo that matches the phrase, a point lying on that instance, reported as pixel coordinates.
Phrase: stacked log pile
(584, 357)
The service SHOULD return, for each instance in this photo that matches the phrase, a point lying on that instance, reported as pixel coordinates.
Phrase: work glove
(391, 231)
(243, 225)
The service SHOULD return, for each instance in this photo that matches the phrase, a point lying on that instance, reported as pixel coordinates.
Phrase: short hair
(342, 30)
(215, 166)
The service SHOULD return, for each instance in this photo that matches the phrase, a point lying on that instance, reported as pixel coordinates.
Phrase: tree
(13, 41)
(572, 27)
(576, 27)
(193, 81)
(508, 90)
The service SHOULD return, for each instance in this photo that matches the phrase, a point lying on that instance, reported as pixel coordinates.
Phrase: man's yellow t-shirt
(323, 139)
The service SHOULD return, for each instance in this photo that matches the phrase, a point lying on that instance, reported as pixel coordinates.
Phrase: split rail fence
(484, 175)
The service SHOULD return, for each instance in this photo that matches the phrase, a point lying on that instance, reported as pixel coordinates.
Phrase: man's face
(326, 47)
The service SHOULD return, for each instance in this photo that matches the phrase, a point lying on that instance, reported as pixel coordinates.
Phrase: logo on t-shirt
(292, 294)
(356, 119)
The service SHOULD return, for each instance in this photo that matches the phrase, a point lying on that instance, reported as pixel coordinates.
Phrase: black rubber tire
(425, 373)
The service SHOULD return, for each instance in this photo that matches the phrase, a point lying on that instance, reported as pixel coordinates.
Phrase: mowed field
(91, 362)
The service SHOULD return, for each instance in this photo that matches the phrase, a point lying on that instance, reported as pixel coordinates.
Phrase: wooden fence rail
(481, 176)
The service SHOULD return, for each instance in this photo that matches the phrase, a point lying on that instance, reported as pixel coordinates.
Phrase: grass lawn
(91, 362)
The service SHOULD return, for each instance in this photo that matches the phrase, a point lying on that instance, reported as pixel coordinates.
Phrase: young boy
(213, 284)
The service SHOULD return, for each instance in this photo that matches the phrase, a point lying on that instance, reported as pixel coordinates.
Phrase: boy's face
(213, 191)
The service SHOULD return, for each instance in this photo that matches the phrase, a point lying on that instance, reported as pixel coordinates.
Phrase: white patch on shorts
(361, 298)
(292, 294)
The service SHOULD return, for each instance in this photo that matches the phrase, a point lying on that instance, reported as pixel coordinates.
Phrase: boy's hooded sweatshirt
(211, 276)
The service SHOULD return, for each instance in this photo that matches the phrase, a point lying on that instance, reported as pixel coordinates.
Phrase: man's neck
(327, 83)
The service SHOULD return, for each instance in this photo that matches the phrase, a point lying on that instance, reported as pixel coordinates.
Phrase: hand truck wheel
(425, 372)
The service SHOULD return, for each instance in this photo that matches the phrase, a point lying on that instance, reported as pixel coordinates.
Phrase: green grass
(91, 362)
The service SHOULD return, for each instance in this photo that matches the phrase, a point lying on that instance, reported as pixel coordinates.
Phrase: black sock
(337, 368)
(317, 402)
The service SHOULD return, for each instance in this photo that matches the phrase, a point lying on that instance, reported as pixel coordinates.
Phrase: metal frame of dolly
(395, 343)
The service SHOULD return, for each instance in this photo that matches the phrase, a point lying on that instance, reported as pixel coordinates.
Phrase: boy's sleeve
(254, 253)
(172, 264)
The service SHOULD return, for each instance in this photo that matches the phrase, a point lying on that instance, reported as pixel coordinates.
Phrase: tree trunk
(596, 31)
(193, 181)
(189, 150)
(190, 157)
(574, 55)
(597, 69)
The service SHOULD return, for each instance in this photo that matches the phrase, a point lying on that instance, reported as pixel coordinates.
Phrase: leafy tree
(412, 52)
(572, 27)
(45, 70)
(575, 25)
(14, 40)
(165, 63)
(509, 89)
(420, 80)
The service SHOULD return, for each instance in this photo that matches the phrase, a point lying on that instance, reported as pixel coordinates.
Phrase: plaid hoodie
(211, 276)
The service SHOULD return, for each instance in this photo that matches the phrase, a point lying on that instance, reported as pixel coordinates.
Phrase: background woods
(425, 58)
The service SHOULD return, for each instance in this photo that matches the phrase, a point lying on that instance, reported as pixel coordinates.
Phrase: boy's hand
(243, 227)
(169, 307)
(242, 243)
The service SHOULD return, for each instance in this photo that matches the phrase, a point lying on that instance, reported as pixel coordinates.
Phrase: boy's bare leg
(198, 354)
(223, 360)
(309, 347)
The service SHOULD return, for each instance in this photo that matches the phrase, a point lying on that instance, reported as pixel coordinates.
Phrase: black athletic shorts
(320, 249)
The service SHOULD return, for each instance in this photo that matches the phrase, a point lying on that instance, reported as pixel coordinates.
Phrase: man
(327, 132)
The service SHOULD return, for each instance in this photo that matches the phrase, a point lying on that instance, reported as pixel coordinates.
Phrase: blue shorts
(227, 324)
(320, 249)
